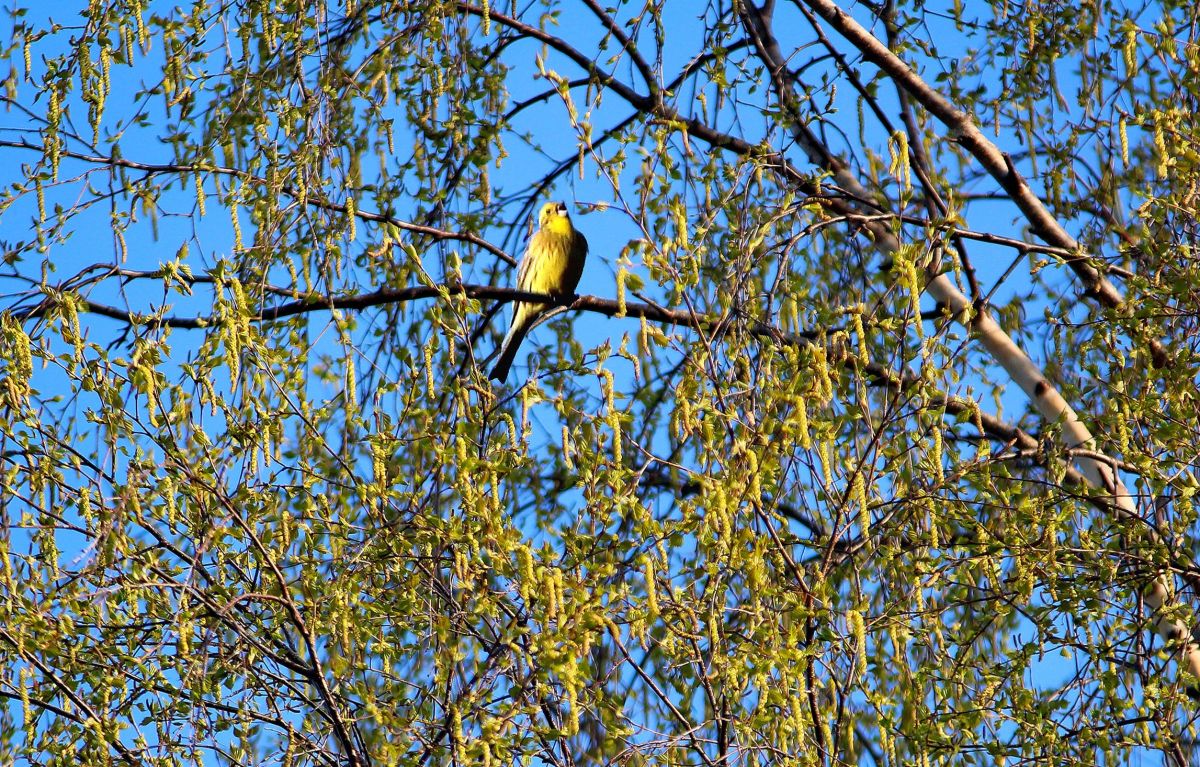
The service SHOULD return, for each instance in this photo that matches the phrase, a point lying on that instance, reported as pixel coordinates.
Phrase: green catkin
(821, 364)
(938, 472)
(622, 273)
(802, 423)
(651, 587)
(430, 382)
(566, 449)
(1129, 49)
(860, 332)
(200, 198)
(858, 630)
(1160, 145)
(823, 447)
(864, 509)
(236, 220)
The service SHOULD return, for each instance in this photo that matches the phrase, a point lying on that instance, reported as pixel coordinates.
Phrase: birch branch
(1097, 469)
(998, 164)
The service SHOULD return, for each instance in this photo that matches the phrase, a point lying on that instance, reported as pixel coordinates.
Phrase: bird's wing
(527, 260)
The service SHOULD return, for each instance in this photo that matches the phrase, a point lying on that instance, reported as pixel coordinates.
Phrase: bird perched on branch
(552, 264)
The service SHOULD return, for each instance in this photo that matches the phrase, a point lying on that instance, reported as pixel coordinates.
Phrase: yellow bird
(552, 264)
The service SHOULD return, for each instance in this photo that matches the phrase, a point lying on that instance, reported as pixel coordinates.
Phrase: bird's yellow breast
(557, 225)
(550, 266)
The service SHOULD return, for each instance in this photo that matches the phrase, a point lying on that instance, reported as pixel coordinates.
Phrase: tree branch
(998, 164)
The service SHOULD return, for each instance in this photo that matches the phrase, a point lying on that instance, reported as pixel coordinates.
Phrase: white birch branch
(1095, 466)
(964, 130)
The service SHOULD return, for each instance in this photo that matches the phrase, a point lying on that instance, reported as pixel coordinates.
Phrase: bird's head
(553, 218)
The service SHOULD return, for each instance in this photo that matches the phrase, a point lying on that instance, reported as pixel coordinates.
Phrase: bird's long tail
(508, 349)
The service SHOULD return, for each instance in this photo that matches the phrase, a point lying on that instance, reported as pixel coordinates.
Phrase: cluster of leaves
(760, 501)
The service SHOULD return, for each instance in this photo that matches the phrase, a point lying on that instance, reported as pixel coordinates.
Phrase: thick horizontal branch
(387, 296)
